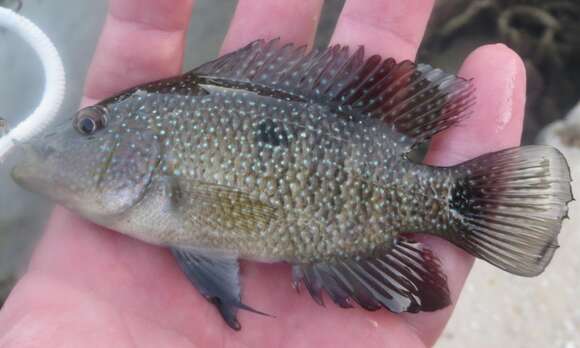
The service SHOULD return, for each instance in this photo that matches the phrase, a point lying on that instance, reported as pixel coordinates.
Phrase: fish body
(274, 154)
(308, 184)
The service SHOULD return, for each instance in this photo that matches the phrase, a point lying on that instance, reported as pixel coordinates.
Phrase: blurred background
(495, 308)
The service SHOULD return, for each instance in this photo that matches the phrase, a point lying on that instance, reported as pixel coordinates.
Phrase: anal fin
(407, 278)
(217, 279)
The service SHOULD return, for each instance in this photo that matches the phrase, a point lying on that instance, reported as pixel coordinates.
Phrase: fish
(274, 153)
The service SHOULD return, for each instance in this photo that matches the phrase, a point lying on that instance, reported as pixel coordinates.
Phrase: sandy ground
(496, 309)
(499, 310)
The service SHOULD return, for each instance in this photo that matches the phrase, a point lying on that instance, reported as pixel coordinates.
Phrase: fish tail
(510, 206)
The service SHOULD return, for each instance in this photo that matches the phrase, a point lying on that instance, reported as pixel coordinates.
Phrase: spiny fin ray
(415, 99)
(407, 278)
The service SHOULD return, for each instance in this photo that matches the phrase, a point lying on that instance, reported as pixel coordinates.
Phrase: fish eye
(87, 125)
(90, 120)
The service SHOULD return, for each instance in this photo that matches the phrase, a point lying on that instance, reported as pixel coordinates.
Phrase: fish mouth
(28, 172)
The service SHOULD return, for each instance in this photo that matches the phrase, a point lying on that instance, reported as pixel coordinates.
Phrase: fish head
(99, 165)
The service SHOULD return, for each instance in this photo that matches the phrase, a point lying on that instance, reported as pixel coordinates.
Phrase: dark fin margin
(406, 278)
(510, 206)
(416, 99)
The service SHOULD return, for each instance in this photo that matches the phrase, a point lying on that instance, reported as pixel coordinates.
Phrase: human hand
(91, 287)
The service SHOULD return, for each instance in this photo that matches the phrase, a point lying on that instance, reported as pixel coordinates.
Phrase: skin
(91, 287)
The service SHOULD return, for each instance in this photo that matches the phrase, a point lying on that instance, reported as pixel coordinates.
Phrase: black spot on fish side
(269, 132)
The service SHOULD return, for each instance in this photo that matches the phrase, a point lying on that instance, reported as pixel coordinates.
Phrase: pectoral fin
(217, 279)
(220, 207)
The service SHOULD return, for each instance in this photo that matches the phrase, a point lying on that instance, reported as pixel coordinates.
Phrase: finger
(292, 20)
(390, 28)
(142, 40)
(500, 80)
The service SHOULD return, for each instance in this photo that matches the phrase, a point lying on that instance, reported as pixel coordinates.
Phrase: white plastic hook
(54, 85)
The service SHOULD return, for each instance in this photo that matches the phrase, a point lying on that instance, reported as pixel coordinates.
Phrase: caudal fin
(511, 204)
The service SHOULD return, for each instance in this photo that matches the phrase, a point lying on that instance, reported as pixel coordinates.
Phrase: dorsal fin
(416, 99)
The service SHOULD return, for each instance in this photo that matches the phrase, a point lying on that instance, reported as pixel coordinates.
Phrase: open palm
(90, 287)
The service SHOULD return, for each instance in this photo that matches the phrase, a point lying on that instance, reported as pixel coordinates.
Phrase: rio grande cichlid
(274, 154)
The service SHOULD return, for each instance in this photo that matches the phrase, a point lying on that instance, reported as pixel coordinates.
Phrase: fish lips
(30, 172)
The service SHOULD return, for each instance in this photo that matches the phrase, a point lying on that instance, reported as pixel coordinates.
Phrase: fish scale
(225, 150)
(273, 154)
